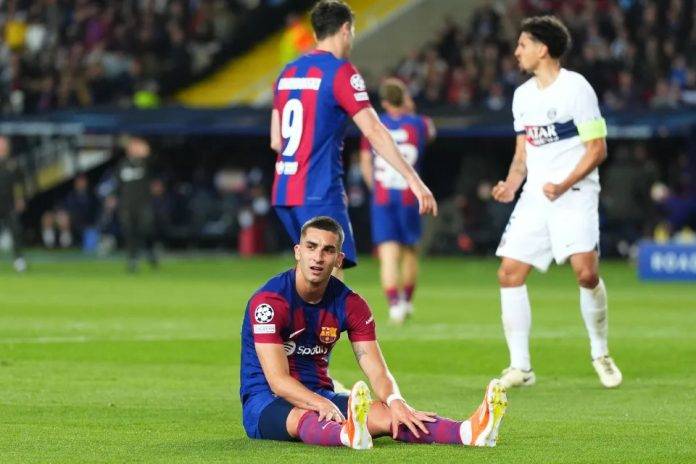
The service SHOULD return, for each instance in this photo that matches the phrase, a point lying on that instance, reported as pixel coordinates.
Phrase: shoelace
(607, 365)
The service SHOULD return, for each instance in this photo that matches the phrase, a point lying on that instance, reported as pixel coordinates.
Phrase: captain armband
(590, 130)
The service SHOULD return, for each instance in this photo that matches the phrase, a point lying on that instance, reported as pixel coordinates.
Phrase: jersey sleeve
(517, 114)
(269, 315)
(350, 90)
(586, 114)
(361, 324)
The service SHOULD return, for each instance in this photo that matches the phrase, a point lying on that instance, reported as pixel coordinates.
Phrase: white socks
(517, 321)
(593, 305)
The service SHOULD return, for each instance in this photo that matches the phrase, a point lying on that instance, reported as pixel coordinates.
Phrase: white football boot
(609, 375)
(481, 429)
(408, 308)
(514, 377)
(354, 433)
(397, 314)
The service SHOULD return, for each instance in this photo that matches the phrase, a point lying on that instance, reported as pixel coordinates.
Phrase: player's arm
(275, 367)
(372, 128)
(504, 191)
(371, 361)
(366, 166)
(592, 130)
(276, 140)
(595, 154)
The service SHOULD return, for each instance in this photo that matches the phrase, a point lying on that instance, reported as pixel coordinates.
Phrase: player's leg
(525, 243)
(409, 276)
(305, 425)
(593, 306)
(411, 232)
(15, 228)
(480, 429)
(516, 314)
(388, 253)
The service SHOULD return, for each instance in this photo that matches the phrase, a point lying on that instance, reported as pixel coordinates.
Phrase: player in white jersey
(561, 139)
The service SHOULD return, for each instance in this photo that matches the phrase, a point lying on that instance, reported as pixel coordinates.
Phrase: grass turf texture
(98, 365)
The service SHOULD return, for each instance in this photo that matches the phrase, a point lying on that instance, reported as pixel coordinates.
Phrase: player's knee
(508, 277)
(379, 419)
(292, 422)
(587, 278)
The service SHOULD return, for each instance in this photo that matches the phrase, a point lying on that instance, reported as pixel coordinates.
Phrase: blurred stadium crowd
(62, 54)
(634, 53)
(79, 53)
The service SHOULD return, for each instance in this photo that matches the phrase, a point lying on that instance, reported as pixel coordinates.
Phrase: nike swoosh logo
(372, 318)
(295, 333)
(526, 379)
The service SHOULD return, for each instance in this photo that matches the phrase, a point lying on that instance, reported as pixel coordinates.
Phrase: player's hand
(553, 191)
(426, 199)
(329, 411)
(402, 413)
(502, 192)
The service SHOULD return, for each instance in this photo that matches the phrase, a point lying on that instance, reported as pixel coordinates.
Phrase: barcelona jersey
(410, 132)
(315, 96)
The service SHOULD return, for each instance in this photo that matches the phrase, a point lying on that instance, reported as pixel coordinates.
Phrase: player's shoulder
(525, 87)
(575, 79)
(277, 287)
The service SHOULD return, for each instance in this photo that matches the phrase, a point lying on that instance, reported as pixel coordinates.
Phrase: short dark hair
(550, 31)
(324, 223)
(393, 91)
(328, 16)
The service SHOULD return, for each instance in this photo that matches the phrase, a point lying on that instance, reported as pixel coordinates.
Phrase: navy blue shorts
(396, 223)
(272, 423)
(294, 217)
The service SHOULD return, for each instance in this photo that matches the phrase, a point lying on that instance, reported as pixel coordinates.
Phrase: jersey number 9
(291, 125)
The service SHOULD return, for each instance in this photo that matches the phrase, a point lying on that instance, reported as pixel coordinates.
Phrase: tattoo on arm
(359, 352)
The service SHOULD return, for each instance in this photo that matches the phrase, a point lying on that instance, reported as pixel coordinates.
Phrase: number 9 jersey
(314, 96)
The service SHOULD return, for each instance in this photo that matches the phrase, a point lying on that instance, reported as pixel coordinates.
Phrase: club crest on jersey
(357, 82)
(328, 335)
(541, 135)
(263, 313)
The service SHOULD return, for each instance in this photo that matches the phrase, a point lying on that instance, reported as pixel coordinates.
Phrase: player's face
(318, 254)
(528, 52)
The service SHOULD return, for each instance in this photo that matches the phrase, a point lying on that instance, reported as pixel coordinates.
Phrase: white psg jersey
(556, 121)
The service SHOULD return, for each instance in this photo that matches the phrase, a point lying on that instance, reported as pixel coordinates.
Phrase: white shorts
(540, 230)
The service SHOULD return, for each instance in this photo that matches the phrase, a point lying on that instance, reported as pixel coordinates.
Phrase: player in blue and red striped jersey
(291, 325)
(396, 225)
(314, 97)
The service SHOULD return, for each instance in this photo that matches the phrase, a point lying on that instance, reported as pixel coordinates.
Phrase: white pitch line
(91, 339)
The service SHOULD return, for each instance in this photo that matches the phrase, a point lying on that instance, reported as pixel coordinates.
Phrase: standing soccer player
(291, 325)
(11, 204)
(561, 139)
(396, 225)
(313, 99)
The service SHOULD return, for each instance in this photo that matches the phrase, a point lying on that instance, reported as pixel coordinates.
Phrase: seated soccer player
(290, 326)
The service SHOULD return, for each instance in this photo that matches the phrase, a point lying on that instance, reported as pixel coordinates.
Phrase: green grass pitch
(100, 366)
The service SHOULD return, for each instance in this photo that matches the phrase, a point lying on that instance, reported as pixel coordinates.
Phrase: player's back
(314, 97)
(410, 132)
